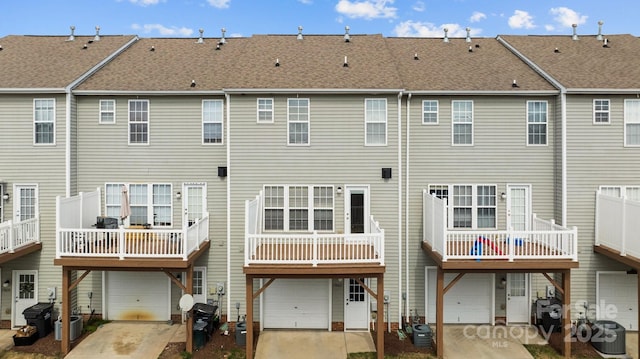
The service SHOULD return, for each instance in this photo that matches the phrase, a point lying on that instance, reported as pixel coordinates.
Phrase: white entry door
(25, 293)
(518, 308)
(356, 209)
(518, 207)
(26, 202)
(356, 305)
(200, 285)
(194, 202)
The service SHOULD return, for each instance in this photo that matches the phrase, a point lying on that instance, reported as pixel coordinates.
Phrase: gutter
(146, 93)
(33, 90)
(406, 213)
(596, 91)
(486, 93)
(311, 91)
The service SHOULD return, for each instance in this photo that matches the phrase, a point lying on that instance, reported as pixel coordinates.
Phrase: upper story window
(265, 110)
(44, 121)
(375, 118)
(600, 111)
(298, 208)
(462, 122)
(536, 122)
(631, 192)
(298, 121)
(150, 203)
(469, 206)
(430, 112)
(632, 122)
(212, 121)
(107, 111)
(138, 121)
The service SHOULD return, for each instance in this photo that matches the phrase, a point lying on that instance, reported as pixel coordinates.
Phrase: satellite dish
(186, 302)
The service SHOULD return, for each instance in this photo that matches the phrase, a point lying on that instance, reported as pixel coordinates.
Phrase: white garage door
(137, 296)
(297, 304)
(618, 290)
(469, 301)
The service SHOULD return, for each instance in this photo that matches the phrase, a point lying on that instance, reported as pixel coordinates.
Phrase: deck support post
(380, 317)
(566, 314)
(249, 319)
(66, 311)
(440, 313)
(189, 328)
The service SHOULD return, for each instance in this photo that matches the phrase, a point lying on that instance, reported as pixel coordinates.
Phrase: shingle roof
(51, 61)
(584, 63)
(315, 62)
(451, 67)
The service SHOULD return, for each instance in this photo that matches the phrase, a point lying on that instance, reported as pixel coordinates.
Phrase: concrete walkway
(308, 344)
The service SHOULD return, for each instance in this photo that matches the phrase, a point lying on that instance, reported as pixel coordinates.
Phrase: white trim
(407, 301)
(228, 209)
(308, 122)
(626, 101)
(100, 112)
(546, 124)
(258, 99)
(308, 91)
(484, 93)
(437, 112)
(355, 188)
(146, 93)
(185, 198)
(44, 90)
(67, 143)
(54, 121)
(346, 288)
(527, 280)
(367, 122)
(529, 204)
(221, 122)
(14, 294)
(400, 189)
(148, 122)
(17, 198)
(608, 111)
(463, 123)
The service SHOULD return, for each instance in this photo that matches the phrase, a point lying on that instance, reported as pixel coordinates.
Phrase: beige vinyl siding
(175, 155)
(43, 166)
(336, 156)
(500, 156)
(596, 156)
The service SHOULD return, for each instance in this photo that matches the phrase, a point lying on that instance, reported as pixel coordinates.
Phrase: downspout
(406, 213)
(399, 208)
(67, 145)
(563, 116)
(228, 178)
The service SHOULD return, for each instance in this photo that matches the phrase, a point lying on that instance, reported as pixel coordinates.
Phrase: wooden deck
(305, 252)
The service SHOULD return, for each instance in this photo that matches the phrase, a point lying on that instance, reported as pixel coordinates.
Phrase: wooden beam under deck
(631, 261)
(309, 271)
(20, 252)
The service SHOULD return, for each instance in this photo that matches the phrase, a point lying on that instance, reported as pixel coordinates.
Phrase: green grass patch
(542, 351)
(94, 324)
(372, 355)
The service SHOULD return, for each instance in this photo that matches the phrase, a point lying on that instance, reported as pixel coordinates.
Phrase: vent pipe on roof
(72, 36)
(347, 38)
(201, 38)
(222, 39)
(575, 32)
(299, 33)
(514, 84)
(606, 43)
(277, 62)
(446, 36)
(470, 49)
(97, 37)
(415, 56)
(599, 37)
(468, 34)
(346, 63)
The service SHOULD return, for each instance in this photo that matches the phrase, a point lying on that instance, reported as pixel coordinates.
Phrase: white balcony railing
(14, 235)
(309, 248)
(546, 240)
(77, 237)
(617, 225)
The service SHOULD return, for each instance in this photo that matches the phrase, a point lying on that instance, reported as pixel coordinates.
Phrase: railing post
(315, 249)
(37, 228)
(623, 247)
(575, 243)
(185, 242)
(511, 244)
(121, 242)
(12, 237)
(381, 254)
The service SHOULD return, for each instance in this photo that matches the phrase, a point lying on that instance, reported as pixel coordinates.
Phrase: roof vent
(514, 84)
(470, 48)
(575, 33)
(477, 46)
(217, 46)
(1, 48)
(193, 83)
(556, 50)
(84, 47)
(153, 48)
(468, 34)
(72, 36)
(347, 38)
(97, 37)
(277, 62)
(346, 63)
(599, 37)
(415, 56)
(299, 33)
(201, 38)
(606, 43)
(446, 36)
(222, 39)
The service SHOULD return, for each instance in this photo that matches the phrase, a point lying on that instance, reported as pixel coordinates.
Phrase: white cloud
(477, 16)
(566, 17)
(521, 20)
(220, 4)
(367, 9)
(549, 27)
(146, 2)
(419, 6)
(426, 29)
(306, 2)
(163, 30)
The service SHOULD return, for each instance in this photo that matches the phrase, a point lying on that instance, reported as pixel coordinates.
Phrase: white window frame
(455, 122)
(597, 111)
(375, 121)
(545, 123)
(36, 121)
(269, 112)
(213, 119)
(298, 120)
(103, 112)
(436, 112)
(311, 208)
(622, 191)
(631, 121)
(474, 203)
(130, 123)
(112, 208)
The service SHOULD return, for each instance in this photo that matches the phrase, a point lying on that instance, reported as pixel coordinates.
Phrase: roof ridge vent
(97, 37)
(575, 32)
(222, 38)
(299, 33)
(72, 36)
(599, 37)
(468, 39)
(446, 35)
(201, 38)
(347, 38)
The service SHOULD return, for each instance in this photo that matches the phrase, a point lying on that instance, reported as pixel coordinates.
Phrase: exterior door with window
(194, 203)
(518, 308)
(356, 304)
(356, 209)
(519, 207)
(200, 285)
(26, 202)
(25, 293)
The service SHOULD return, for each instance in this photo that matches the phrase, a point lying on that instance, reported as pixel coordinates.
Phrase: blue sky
(427, 18)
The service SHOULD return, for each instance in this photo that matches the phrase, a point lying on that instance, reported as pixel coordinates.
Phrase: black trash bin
(39, 316)
(205, 313)
(241, 333)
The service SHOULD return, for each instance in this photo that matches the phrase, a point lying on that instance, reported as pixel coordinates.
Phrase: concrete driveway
(128, 340)
(312, 344)
(490, 342)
